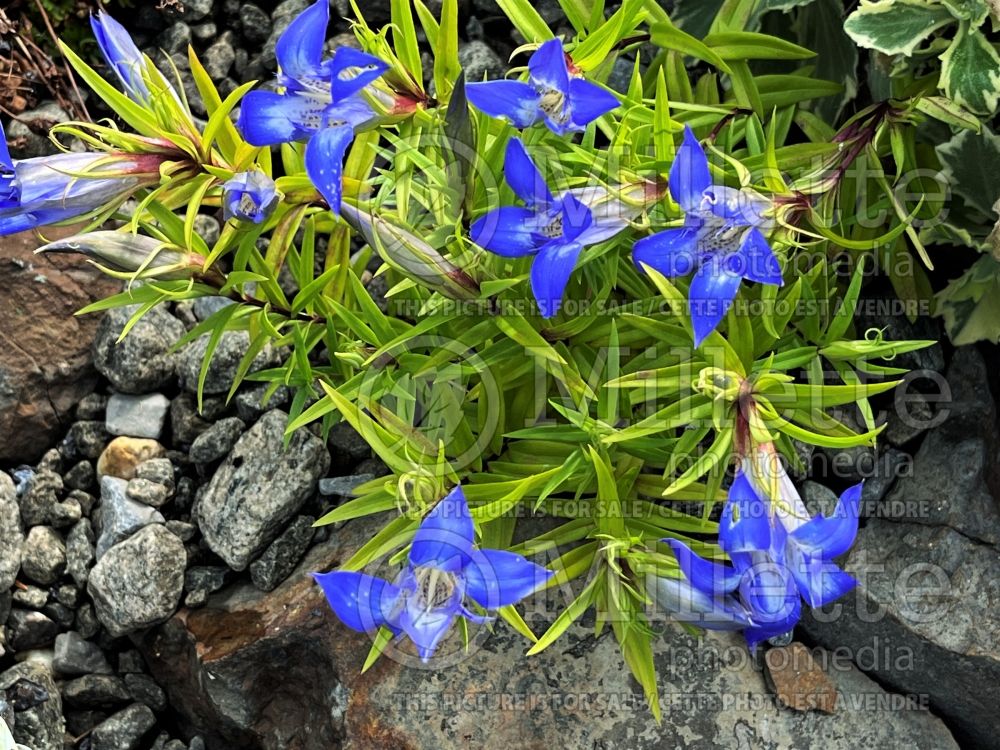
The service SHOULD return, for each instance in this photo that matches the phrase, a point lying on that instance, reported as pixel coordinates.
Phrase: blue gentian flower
(249, 196)
(443, 571)
(49, 189)
(554, 230)
(721, 240)
(773, 568)
(122, 56)
(565, 102)
(321, 101)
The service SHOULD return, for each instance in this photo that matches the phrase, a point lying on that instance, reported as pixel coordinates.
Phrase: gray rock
(124, 730)
(225, 361)
(137, 416)
(65, 513)
(891, 465)
(28, 629)
(138, 583)
(175, 38)
(621, 74)
(86, 439)
(85, 500)
(342, 486)
(142, 362)
(80, 552)
(347, 448)
(205, 307)
(819, 498)
(158, 470)
(195, 10)
(204, 32)
(40, 493)
(40, 724)
(68, 595)
(255, 23)
(478, 60)
(148, 492)
(44, 558)
(95, 691)
(923, 620)
(258, 488)
(284, 553)
(28, 132)
(86, 622)
(252, 401)
(11, 533)
(185, 422)
(144, 689)
(31, 597)
(912, 416)
(81, 476)
(76, 656)
(218, 59)
(131, 662)
(200, 581)
(208, 229)
(91, 407)
(217, 440)
(182, 530)
(121, 516)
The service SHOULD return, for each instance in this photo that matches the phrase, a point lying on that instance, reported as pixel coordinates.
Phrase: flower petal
(744, 525)
(819, 582)
(547, 67)
(5, 161)
(830, 537)
(515, 100)
(300, 47)
(362, 602)
(496, 578)
(325, 162)
(426, 627)
(703, 574)
(550, 273)
(689, 175)
(588, 101)
(507, 231)
(713, 289)
(121, 54)
(351, 70)
(523, 176)
(756, 261)
(267, 118)
(576, 218)
(672, 252)
(444, 538)
(685, 603)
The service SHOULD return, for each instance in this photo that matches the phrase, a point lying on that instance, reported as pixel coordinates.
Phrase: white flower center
(434, 588)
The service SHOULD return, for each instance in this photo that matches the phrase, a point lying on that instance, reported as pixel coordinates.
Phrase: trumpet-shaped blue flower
(773, 567)
(553, 229)
(321, 101)
(122, 56)
(444, 570)
(249, 196)
(50, 189)
(565, 102)
(721, 240)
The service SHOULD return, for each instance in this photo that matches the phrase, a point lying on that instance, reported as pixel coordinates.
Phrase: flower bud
(249, 196)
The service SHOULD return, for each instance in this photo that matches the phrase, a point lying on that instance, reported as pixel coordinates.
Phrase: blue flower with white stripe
(249, 196)
(123, 57)
(564, 102)
(553, 229)
(321, 101)
(444, 571)
(779, 556)
(721, 240)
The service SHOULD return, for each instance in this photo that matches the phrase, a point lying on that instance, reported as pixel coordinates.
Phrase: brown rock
(45, 368)
(799, 682)
(124, 454)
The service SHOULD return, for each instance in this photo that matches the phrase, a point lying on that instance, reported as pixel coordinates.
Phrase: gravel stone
(76, 656)
(28, 629)
(279, 560)
(217, 440)
(225, 360)
(142, 362)
(44, 558)
(81, 476)
(80, 552)
(137, 416)
(11, 533)
(138, 583)
(124, 730)
(148, 492)
(121, 516)
(95, 691)
(86, 439)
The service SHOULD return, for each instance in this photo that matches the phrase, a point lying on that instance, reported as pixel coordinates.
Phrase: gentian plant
(566, 332)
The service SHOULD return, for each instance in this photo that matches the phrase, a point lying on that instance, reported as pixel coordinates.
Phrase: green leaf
(526, 20)
(668, 36)
(973, 11)
(970, 305)
(971, 164)
(749, 45)
(404, 37)
(944, 109)
(895, 27)
(821, 28)
(446, 65)
(970, 71)
(567, 617)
